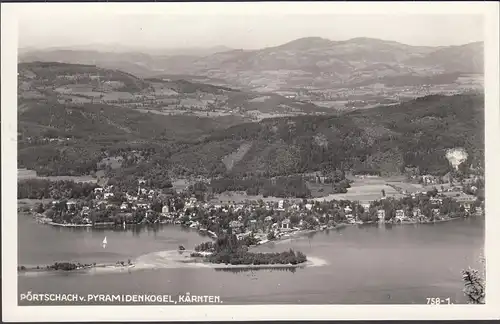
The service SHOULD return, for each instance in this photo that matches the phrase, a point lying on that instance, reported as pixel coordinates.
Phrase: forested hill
(384, 139)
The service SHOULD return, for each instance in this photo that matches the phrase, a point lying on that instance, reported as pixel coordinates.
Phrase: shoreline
(286, 236)
(300, 233)
(42, 270)
(169, 259)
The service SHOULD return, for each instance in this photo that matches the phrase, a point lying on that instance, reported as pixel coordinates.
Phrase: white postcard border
(13, 312)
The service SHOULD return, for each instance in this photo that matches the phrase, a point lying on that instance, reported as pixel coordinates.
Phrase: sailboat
(104, 242)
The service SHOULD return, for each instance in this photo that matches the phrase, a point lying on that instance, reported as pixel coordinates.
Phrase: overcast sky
(240, 31)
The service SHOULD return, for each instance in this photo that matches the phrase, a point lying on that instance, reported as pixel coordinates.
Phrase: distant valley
(339, 75)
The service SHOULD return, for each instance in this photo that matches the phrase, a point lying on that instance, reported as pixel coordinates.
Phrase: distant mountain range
(300, 63)
(120, 48)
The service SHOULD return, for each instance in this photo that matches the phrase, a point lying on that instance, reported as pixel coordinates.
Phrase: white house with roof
(143, 205)
(381, 215)
(400, 215)
(236, 226)
(285, 224)
(108, 195)
(253, 224)
(85, 210)
(466, 201)
(436, 200)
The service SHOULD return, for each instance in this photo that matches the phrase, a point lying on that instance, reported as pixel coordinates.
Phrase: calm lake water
(397, 264)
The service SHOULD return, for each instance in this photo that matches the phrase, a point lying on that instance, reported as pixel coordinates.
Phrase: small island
(72, 266)
(228, 249)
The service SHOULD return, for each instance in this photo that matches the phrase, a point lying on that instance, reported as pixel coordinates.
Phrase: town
(105, 206)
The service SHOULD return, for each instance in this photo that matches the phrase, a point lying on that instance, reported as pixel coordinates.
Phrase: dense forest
(381, 140)
(229, 250)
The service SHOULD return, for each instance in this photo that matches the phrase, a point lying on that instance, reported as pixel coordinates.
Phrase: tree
(157, 206)
(474, 286)
(294, 219)
(49, 213)
(40, 209)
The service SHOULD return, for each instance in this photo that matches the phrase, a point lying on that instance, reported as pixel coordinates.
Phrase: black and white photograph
(246, 156)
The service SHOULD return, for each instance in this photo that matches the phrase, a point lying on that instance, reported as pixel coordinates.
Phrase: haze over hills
(122, 48)
(295, 64)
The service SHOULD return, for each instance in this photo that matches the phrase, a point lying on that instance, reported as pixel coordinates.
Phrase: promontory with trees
(228, 249)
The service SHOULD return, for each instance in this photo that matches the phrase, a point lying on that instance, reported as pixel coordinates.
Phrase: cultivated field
(23, 174)
(180, 184)
(369, 189)
(233, 158)
(239, 197)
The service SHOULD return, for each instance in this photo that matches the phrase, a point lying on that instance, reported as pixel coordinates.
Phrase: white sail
(105, 241)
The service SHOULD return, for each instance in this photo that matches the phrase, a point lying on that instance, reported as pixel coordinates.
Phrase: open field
(115, 162)
(319, 189)
(24, 174)
(29, 203)
(362, 189)
(239, 197)
(180, 184)
(369, 189)
(233, 158)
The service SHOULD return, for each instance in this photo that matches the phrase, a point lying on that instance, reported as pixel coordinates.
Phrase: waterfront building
(400, 215)
(71, 205)
(381, 215)
(285, 224)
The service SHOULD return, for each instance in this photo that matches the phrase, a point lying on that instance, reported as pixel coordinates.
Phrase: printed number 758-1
(439, 301)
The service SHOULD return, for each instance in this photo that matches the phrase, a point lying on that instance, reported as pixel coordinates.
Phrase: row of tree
(43, 189)
(283, 187)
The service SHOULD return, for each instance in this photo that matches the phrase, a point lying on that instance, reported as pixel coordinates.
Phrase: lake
(365, 264)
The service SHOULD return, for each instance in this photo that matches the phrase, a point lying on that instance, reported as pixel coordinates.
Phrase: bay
(362, 264)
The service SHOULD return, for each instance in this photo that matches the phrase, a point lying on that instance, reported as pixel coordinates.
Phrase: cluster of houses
(244, 219)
